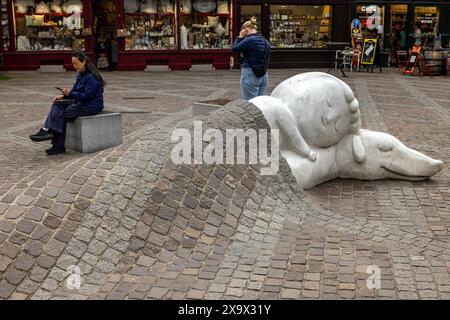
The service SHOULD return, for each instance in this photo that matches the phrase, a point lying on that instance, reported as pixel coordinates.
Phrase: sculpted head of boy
(324, 107)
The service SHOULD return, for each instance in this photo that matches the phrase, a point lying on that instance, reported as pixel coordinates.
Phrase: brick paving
(140, 227)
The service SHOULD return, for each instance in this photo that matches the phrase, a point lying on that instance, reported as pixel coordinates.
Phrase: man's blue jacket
(255, 51)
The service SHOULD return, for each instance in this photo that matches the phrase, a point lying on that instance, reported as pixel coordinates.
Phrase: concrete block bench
(202, 107)
(94, 133)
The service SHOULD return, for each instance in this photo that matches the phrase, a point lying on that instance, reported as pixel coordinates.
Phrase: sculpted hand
(312, 156)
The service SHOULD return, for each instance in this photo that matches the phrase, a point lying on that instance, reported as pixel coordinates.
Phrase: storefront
(141, 34)
(117, 34)
(401, 24)
(135, 35)
(299, 30)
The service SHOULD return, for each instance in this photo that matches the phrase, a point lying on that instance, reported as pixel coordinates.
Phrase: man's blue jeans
(251, 85)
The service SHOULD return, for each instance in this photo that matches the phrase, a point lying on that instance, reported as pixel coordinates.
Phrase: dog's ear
(359, 152)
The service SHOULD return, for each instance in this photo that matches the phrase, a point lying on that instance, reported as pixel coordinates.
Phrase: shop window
(51, 25)
(426, 25)
(4, 31)
(249, 11)
(205, 24)
(293, 26)
(150, 25)
(399, 14)
(372, 20)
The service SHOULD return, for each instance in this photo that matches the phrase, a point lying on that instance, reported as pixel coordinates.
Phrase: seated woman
(85, 99)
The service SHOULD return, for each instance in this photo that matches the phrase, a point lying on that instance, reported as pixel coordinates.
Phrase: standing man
(255, 51)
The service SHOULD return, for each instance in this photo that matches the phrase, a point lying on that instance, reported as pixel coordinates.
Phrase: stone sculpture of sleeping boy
(313, 109)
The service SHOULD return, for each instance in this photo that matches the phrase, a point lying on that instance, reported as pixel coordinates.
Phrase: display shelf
(161, 36)
(46, 26)
(148, 14)
(150, 32)
(204, 14)
(299, 27)
(53, 14)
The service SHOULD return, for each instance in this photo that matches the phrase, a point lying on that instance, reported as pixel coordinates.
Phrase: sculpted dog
(386, 158)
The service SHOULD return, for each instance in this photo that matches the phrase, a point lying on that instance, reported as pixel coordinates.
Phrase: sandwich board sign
(412, 60)
(369, 51)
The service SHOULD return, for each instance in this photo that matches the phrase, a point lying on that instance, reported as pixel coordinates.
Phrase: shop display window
(49, 25)
(399, 14)
(426, 25)
(205, 24)
(4, 27)
(249, 11)
(297, 26)
(372, 20)
(149, 25)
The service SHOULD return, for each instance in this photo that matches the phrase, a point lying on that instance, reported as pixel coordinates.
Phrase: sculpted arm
(288, 126)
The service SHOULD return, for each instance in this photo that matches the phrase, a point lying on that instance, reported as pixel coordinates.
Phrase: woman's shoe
(55, 150)
(42, 135)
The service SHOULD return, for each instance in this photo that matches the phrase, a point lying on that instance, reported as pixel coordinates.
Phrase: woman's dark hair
(80, 55)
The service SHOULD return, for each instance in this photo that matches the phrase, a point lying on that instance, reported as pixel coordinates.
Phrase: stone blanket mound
(140, 227)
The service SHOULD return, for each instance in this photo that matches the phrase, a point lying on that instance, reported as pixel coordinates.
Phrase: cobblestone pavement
(140, 227)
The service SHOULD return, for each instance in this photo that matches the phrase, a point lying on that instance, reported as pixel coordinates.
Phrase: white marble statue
(386, 158)
(321, 137)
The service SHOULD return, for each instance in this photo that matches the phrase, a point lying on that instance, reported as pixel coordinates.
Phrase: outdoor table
(333, 47)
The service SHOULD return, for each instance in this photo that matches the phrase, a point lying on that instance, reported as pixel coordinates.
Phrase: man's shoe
(55, 150)
(42, 135)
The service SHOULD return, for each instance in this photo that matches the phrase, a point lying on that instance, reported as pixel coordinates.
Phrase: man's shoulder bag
(261, 71)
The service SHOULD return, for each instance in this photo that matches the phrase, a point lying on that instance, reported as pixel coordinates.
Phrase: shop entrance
(398, 35)
(105, 25)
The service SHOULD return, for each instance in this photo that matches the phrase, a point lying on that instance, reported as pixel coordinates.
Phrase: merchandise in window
(249, 11)
(399, 15)
(372, 20)
(205, 24)
(149, 25)
(51, 25)
(426, 25)
(4, 31)
(293, 26)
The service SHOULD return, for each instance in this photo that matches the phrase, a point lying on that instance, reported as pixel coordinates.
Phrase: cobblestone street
(141, 228)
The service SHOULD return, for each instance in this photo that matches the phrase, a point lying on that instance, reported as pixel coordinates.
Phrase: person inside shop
(112, 55)
(254, 50)
(418, 35)
(102, 52)
(84, 99)
(395, 43)
(402, 37)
